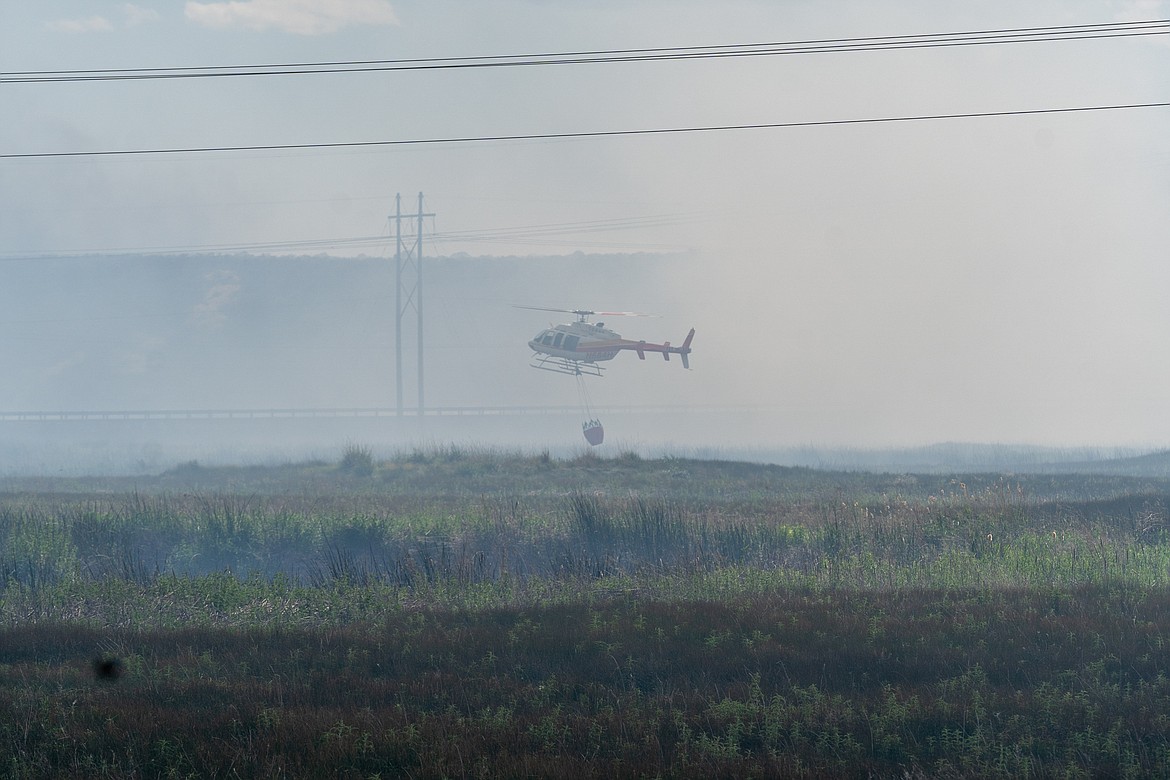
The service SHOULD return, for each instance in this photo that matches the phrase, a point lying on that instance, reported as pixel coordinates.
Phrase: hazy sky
(987, 279)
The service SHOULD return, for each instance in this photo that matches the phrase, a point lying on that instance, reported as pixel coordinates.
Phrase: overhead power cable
(822, 46)
(582, 134)
(537, 235)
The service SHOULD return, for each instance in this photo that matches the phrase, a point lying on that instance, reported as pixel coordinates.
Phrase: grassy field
(456, 613)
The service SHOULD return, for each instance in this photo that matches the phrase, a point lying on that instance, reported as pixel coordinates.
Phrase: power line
(821, 46)
(535, 235)
(583, 134)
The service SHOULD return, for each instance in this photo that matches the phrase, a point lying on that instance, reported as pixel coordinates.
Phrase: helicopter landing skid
(565, 366)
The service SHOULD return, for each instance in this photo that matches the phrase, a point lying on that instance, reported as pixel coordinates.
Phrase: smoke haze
(985, 279)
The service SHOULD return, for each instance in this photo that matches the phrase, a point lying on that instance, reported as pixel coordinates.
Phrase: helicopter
(576, 348)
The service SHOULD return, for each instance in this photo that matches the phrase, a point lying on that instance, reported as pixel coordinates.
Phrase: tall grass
(454, 546)
(453, 614)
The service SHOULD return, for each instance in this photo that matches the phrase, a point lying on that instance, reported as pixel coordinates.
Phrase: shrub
(357, 460)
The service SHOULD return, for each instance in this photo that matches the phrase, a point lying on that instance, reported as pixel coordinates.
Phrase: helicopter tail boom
(684, 350)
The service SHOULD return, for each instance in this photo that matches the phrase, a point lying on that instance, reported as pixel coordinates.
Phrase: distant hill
(973, 457)
(1154, 464)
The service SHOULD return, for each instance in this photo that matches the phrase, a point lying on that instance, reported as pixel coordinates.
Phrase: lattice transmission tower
(408, 275)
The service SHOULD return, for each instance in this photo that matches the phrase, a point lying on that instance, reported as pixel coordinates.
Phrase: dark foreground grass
(920, 683)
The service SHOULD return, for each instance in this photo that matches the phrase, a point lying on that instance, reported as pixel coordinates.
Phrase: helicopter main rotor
(581, 314)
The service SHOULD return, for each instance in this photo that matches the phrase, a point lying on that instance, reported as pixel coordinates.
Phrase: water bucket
(594, 433)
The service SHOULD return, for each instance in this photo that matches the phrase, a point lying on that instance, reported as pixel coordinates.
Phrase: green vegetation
(455, 612)
(357, 460)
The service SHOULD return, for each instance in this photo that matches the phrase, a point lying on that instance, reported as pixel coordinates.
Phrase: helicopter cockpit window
(557, 341)
(546, 338)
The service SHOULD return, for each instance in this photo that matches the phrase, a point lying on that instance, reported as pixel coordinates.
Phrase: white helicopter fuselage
(581, 341)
